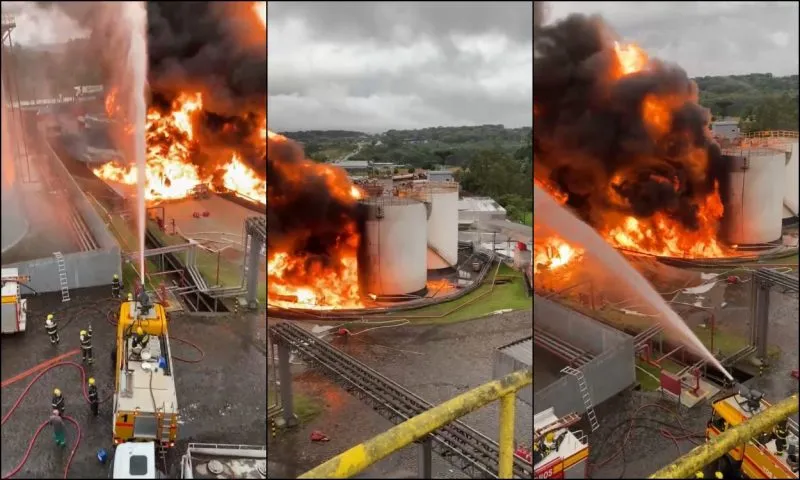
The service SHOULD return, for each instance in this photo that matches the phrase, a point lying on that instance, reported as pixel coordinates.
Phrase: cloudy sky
(705, 38)
(373, 66)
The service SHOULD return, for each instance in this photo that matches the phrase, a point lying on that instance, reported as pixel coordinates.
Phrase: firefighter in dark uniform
(86, 347)
(780, 438)
(115, 287)
(58, 402)
(93, 400)
(52, 329)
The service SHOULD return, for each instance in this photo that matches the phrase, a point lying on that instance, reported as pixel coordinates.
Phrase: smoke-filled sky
(705, 38)
(374, 66)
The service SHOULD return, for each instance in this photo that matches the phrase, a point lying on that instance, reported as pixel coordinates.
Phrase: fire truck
(15, 308)
(558, 451)
(145, 400)
(759, 458)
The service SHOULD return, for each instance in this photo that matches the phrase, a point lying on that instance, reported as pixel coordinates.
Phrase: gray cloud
(373, 66)
(705, 38)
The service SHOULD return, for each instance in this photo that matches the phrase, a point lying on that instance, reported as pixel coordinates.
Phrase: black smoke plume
(304, 216)
(589, 128)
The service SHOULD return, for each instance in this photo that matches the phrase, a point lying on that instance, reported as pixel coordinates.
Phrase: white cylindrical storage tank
(754, 198)
(14, 224)
(791, 194)
(442, 224)
(392, 257)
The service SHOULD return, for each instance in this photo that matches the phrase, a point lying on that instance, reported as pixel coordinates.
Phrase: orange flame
(553, 253)
(170, 174)
(630, 59)
(261, 11)
(299, 281)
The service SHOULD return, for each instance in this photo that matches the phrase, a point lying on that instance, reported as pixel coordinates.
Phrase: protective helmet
(139, 331)
(91, 380)
(116, 277)
(718, 474)
(83, 332)
(550, 437)
(49, 316)
(699, 475)
(57, 392)
(130, 297)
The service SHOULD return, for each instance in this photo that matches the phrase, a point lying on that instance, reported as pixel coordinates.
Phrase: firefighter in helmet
(115, 286)
(52, 329)
(58, 401)
(86, 347)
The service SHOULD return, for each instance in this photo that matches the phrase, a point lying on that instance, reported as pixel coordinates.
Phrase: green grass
(306, 408)
(230, 273)
(647, 382)
(527, 219)
(510, 295)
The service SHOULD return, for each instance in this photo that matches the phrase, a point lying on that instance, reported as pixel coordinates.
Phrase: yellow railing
(699, 457)
(358, 458)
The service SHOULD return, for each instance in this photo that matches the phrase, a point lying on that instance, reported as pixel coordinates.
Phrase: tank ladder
(62, 276)
(587, 398)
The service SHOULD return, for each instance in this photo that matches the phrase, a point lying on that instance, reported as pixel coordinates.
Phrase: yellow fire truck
(759, 458)
(145, 400)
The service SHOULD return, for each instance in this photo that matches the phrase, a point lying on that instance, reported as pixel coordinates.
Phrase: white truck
(202, 460)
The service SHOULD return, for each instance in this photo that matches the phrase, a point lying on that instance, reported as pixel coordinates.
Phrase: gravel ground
(222, 398)
(437, 362)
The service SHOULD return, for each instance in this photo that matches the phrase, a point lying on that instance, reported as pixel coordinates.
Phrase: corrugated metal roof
(521, 350)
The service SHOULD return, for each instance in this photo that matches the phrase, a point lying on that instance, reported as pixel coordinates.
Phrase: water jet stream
(134, 15)
(561, 221)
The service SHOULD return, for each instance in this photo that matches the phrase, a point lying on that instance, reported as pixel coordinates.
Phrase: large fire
(652, 203)
(171, 143)
(553, 253)
(296, 277)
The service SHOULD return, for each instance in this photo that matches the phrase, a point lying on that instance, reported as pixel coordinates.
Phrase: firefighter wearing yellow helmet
(93, 399)
(58, 402)
(51, 328)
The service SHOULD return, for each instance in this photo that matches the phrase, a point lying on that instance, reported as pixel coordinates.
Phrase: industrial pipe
(694, 461)
(358, 458)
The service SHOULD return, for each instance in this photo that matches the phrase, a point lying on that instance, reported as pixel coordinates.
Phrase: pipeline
(699, 457)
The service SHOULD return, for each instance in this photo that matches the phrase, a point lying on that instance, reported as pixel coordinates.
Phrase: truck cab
(135, 460)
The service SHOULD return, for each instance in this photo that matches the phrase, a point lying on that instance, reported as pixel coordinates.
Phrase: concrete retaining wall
(612, 370)
(505, 363)
(83, 269)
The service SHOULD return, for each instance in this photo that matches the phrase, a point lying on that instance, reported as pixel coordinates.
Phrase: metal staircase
(62, 276)
(587, 398)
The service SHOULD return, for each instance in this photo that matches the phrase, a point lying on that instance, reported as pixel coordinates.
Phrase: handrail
(694, 461)
(772, 134)
(360, 457)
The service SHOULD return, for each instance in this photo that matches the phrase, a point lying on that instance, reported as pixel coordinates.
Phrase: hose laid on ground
(33, 442)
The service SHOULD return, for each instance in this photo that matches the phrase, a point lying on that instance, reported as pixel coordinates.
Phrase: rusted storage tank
(393, 252)
(753, 196)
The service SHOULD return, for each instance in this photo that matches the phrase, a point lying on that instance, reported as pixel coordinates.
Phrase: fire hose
(33, 442)
(85, 395)
(43, 425)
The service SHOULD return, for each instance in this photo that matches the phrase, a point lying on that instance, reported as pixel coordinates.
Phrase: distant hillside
(763, 101)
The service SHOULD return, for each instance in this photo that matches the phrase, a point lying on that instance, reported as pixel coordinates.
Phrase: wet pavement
(222, 398)
(437, 362)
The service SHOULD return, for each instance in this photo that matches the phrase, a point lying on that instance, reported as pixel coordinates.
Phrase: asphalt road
(222, 399)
